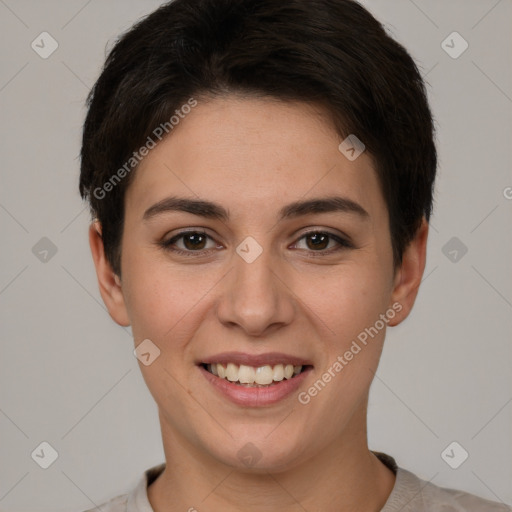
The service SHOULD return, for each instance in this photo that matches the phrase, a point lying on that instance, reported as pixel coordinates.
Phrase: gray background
(67, 372)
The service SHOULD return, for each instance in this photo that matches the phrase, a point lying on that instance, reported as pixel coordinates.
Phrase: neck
(344, 477)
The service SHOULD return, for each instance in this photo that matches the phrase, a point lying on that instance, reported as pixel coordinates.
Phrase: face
(268, 304)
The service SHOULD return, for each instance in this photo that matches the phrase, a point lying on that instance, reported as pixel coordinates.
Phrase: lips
(255, 380)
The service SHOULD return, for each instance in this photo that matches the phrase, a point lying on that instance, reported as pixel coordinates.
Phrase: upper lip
(255, 360)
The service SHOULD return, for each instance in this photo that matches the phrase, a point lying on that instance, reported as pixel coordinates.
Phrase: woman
(260, 175)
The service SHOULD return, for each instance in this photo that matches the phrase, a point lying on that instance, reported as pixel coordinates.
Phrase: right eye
(193, 243)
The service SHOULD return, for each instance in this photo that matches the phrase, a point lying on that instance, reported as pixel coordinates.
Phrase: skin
(254, 156)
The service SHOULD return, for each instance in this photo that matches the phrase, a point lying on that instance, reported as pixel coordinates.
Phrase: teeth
(248, 375)
(232, 372)
(264, 375)
(278, 372)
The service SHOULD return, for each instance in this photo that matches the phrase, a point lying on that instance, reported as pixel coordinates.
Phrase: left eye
(319, 240)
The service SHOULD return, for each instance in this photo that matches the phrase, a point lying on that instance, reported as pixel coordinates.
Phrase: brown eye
(188, 243)
(319, 242)
(193, 241)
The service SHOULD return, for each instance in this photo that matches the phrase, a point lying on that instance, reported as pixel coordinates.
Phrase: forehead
(261, 152)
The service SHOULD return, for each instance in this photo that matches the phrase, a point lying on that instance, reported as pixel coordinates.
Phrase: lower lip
(255, 397)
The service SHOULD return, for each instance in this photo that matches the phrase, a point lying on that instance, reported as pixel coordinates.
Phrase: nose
(256, 296)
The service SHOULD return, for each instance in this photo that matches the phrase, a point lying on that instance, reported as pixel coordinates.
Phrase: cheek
(164, 300)
(156, 304)
(350, 306)
(153, 299)
(349, 300)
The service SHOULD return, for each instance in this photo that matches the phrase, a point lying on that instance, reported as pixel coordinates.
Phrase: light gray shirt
(409, 494)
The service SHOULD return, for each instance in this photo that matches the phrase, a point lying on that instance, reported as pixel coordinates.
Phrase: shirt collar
(138, 500)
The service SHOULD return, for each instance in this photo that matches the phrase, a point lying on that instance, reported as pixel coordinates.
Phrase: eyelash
(167, 244)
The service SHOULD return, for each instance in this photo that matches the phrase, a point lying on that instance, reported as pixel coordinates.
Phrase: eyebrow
(215, 211)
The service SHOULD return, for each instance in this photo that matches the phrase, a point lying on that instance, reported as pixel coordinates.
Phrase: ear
(109, 283)
(408, 276)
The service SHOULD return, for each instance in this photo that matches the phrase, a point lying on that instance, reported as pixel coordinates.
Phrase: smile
(251, 380)
(250, 376)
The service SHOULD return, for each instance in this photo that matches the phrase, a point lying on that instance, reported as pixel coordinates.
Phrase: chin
(259, 454)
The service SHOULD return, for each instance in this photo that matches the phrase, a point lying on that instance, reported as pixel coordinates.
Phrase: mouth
(255, 377)
(255, 380)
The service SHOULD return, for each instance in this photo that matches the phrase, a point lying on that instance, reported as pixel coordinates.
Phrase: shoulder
(136, 500)
(456, 500)
(413, 494)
